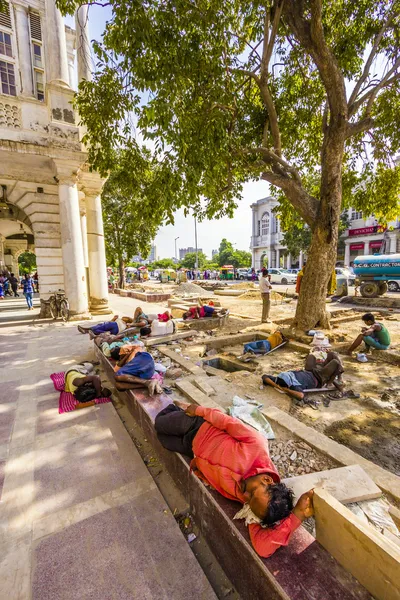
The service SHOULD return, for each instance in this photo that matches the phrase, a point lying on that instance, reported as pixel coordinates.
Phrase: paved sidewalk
(80, 516)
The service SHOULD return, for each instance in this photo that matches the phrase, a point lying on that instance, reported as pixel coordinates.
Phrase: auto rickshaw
(227, 273)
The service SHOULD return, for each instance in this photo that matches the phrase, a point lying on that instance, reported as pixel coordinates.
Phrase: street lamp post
(195, 243)
(176, 254)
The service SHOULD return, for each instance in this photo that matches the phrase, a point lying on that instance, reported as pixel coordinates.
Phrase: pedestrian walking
(265, 289)
(28, 284)
(14, 285)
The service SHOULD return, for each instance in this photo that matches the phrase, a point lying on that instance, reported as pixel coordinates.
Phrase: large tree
(303, 94)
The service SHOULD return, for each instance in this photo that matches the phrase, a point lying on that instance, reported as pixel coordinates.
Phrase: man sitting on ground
(234, 459)
(315, 375)
(81, 381)
(375, 335)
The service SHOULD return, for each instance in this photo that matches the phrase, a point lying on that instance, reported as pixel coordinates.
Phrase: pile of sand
(188, 288)
(242, 286)
(255, 295)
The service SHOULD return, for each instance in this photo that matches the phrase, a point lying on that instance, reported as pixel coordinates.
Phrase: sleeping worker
(374, 335)
(234, 459)
(134, 370)
(84, 384)
(316, 374)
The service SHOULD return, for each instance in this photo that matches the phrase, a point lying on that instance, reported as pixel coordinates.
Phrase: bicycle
(59, 305)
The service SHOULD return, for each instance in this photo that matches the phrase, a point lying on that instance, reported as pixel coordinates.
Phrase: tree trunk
(121, 267)
(311, 307)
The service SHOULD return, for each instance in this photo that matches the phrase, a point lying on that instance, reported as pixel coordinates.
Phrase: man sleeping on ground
(81, 381)
(234, 459)
(314, 375)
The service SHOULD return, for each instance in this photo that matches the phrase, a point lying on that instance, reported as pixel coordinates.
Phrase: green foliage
(164, 263)
(189, 261)
(27, 262)
(129, 222)
(228, 256)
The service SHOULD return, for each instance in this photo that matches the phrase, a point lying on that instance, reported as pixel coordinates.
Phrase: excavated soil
(374, 434)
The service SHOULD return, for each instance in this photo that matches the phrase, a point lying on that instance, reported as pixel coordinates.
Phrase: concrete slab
(367, 554)
(386, 480)
(165, 339)
(181, 360)
(195, 395)
(202, 384)
(395, 514)
(346, 484)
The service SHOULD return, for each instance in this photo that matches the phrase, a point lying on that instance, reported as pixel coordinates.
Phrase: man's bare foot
(82, 329)
(182, 405)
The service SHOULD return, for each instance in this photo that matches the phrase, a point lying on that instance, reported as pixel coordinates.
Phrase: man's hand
(304, 507)
(190, 409)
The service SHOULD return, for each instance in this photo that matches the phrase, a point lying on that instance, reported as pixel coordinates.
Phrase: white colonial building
(364, 236)
(49, 201)
(266, 241)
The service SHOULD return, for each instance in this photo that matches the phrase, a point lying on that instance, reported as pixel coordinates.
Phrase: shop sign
(359, 246)
(376, 244)
(367, 230)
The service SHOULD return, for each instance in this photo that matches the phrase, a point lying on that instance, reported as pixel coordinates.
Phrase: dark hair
(368, 317)
(280, 504)
(115, 352)
(85, 392)
(12, 274)
(265, 272)
(145, 331)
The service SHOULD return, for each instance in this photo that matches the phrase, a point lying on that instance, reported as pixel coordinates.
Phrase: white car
(281, 276)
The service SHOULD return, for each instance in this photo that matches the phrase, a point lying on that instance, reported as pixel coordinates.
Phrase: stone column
(98, 284)
(392, 241)
(24, 50)
(277, 258)
(70, 38)
(301, 259)
(366, 247)
(57, 65)
(71, 243)
(84, 238)
(347, 254)
(83, 44)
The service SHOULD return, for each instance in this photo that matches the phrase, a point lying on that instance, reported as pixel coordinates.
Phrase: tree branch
(370, 60)
(307, 206)
(359, 127)
(372, 93)
(271, 156)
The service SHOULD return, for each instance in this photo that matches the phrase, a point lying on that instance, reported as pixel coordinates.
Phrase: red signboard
(376, 244)
(359, 246)
(367, 230)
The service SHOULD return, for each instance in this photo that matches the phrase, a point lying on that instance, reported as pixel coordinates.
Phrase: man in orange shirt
(234, 459)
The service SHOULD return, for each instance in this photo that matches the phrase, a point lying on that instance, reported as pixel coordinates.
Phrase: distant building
(214, 253)
(153, 254)
(189, 250)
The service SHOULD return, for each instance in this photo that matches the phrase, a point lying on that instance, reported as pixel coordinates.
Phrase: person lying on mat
(202, 312)
(81, 381)
(234, 459)
(314, 375)
(137, 373)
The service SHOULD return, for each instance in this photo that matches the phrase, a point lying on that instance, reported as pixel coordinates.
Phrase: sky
(209, 233)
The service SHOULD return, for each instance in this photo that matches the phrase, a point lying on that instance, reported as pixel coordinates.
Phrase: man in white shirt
(265, 288)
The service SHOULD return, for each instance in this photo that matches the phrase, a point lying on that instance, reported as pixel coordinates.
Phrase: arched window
(265, 224)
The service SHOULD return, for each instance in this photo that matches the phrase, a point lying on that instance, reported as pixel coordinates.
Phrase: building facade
(266, 241)
(189, 250)
(49, 201)
(364, 236)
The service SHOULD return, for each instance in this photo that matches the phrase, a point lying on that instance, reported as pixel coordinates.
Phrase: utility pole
(176, 254)
(195, 243)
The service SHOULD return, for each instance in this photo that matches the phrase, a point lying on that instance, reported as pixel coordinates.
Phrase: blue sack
(259, 347)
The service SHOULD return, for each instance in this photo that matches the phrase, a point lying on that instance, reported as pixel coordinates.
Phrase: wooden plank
(395, 514)
(165, 339)
(181, 360)
(359, 548)
(346, 484)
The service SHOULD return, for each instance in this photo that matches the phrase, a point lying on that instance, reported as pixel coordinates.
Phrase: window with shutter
(5, 17)
(36, 27)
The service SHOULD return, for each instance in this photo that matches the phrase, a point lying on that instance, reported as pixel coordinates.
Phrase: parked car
(281, 276)
(243, 273)
(293, 271)
(351, 278)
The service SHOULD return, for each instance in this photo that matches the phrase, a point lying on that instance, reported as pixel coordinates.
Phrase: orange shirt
(227, 451)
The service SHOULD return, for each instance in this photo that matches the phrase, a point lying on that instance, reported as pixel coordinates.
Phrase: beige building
(49, 201)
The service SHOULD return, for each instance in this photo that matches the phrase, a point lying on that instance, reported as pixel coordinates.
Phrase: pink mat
(67, 401)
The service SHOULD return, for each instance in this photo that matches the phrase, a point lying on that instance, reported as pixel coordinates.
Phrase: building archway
(16, 236)
(263, 260)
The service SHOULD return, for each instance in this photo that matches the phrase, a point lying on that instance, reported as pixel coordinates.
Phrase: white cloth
(265, 285)
(247, 514)
(121, 325)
